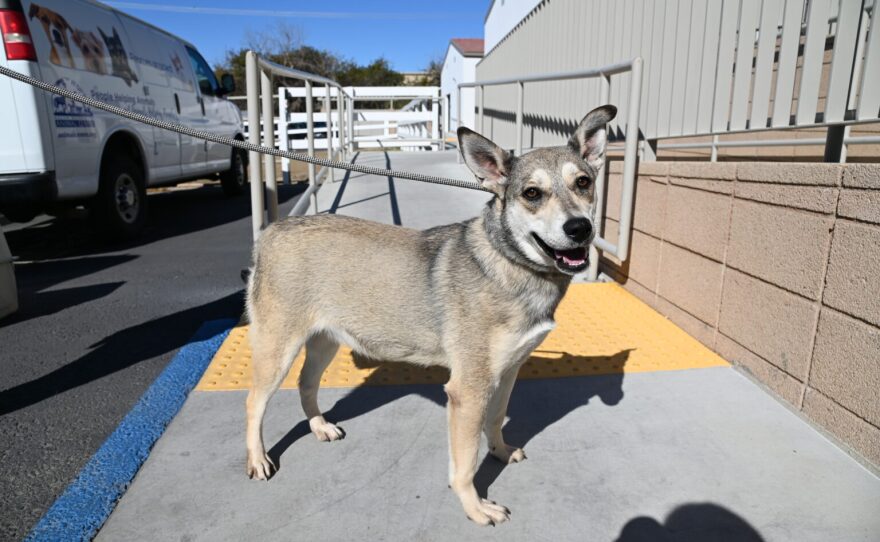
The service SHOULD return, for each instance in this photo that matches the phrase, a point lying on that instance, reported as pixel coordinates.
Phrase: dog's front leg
(466, 409)
(495, 419)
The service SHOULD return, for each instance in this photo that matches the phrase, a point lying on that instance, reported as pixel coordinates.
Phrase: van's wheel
(234, 180)
(120, 208)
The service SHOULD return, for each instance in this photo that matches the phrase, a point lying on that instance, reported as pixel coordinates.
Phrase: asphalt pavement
(97, 323)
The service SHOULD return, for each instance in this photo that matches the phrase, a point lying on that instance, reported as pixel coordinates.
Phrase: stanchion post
(252, 72)
(269, 141)
(310, 138)
(329, 110)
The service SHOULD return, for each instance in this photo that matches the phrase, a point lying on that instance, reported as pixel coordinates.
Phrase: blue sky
(407, 33)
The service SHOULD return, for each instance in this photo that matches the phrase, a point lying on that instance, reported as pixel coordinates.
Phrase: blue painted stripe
(87, 502)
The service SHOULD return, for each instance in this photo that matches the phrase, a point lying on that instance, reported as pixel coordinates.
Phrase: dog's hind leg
(320, 349)
(273, 354)
(495, 419)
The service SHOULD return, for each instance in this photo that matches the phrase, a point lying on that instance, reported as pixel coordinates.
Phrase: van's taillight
(16, 36)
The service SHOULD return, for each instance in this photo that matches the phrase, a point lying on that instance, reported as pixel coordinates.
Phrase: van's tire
(120, 208)
(234, 180)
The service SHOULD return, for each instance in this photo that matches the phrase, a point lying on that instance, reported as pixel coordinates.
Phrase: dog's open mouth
(571, 260)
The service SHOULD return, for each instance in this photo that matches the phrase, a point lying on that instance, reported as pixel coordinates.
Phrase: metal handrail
(620, 250)
(259, 83)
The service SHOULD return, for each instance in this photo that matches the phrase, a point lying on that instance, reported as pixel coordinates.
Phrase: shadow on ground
(533, 405)
(693, 522)
(119, 351)
(171, 214)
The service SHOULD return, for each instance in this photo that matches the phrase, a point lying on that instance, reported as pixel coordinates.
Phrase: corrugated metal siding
(691, 48)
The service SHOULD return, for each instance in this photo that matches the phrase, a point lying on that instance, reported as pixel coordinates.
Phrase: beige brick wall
(775, 266)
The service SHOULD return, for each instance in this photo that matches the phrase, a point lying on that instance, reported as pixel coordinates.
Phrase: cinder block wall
(775, 266)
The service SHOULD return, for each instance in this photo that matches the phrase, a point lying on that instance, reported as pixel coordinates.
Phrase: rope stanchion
(185, 130)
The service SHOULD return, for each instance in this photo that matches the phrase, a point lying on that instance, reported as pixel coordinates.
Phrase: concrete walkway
(697, 454)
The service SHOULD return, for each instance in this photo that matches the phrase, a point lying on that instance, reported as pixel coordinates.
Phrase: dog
(93, 52)
(118, 57)
(476, 297)
(56, 28)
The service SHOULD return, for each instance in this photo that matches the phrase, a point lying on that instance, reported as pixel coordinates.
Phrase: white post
(283, 136)
(310, 136)
(252, 71)
(435, 123)
(446, 117)
(269, 141)
(458, 116)
(329, 128)
(340, 128)
(351, 143)
(599, 199)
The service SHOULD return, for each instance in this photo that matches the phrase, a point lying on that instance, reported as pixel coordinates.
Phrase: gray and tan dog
(475, 297)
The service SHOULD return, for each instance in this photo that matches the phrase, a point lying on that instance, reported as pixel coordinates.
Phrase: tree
(283, 45)
(432, 77)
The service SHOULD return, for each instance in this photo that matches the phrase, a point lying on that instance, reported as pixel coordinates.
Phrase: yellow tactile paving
(601, 329)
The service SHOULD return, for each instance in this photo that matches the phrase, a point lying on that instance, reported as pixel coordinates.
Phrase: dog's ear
(589, 139)
(489, 162)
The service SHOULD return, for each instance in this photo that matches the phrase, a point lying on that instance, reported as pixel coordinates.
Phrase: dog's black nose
(577, 229)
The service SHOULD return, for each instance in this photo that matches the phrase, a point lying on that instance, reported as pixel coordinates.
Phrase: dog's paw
(486, 512)
(259, 467)
(508, 454)
(324, 430)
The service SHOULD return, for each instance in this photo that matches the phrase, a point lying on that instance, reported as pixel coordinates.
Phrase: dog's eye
(583, 182)
(531, 193)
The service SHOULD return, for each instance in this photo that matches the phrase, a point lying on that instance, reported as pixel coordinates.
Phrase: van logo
(72, 118)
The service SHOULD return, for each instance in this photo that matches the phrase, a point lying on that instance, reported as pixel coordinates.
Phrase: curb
(88, 501)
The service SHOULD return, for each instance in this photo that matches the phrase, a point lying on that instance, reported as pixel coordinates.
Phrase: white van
(56, 152)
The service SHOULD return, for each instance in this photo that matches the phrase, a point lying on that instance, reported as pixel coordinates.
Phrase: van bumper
(27, 188)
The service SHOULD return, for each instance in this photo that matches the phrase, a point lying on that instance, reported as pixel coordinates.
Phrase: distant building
(459, 66)
(413, 78)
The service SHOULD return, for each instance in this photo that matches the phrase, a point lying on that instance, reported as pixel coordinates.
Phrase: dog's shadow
(534, 405)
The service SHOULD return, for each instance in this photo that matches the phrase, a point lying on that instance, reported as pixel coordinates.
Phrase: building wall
(458, 68)
(503, 16)
(775, 266)
(567, 35)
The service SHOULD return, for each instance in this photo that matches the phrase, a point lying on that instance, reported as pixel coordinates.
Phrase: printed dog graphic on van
(56, 27)
(93, 52)
(118, 57)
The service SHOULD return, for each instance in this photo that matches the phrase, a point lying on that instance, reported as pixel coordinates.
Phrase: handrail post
(482, 124)
(458, 118)
(329, 129)
(310, 135)
(269, 141)
(350, 101)
(519, 117)
(340, 124)
(283, 136)
(630, 154)
(601, 184)
(446, 118)
(252, 72)
(435, 122)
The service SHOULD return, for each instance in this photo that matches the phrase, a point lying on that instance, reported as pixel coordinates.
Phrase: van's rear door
(25, 144)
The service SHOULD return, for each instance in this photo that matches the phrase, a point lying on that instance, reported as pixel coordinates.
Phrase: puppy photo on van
(56, 28)
(475, 297)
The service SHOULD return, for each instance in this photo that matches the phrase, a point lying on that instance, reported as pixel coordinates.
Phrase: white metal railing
(620, 249)
(259, 85)
(345, 128)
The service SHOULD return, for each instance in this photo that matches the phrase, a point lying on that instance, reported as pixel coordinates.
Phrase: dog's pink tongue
(573, 257)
